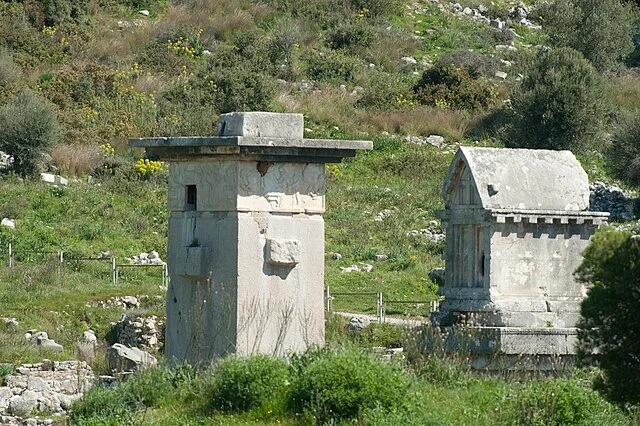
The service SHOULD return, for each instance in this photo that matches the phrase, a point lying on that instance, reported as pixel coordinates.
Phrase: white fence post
(113, 270)
(380, 308)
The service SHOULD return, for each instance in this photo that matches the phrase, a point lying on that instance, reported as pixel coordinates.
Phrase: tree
(602, 30)
(609, 330)
(28, 125)
(559, 104)
(624, 154)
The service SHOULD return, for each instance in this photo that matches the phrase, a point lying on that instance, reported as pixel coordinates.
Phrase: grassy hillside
(355, 69)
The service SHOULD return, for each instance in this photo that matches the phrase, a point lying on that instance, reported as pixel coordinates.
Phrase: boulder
(9, 223)
(122, 359)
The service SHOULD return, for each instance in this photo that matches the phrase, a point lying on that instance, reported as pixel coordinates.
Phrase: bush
(608, 329)
(600, 29)
(57, 12)
(385, 91)
(624, 154)
(114, 406)
(560, 402)
(378, 8)
(351, 35)
(448, 86)
(331, 66)
(28, 125)
(10, 73)
(340, 384)
(559, 104)
(475, 63)
(243, 384)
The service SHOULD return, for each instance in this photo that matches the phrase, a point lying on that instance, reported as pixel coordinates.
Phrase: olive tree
(559, 104)
(28, 126)
(602, 30)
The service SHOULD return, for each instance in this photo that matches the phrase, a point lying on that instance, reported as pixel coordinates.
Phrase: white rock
(408, 60)
(123, 359)
(89, 336)
(366, 268)
(352, 268)
(435, 140)
(9, 223)
(144, 12)
(55, 179)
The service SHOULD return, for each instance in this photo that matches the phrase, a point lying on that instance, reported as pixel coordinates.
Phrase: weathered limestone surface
(46, 387)
(517, 222)
(246, 236)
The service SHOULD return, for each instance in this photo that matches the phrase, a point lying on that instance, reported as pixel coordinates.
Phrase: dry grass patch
(218, 18)
(77, 160)
(329, 106)
(625, 89)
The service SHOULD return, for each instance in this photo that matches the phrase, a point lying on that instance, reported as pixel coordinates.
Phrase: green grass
(400, 177)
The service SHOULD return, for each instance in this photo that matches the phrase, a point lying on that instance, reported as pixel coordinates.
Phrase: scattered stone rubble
(518, 13)
(138, 331)
(433, 140)
(41, 338)
(384, 214)
(152, 258)
(434, 236)
(611, 199)
(355, 268)
(45, 387)
(124, 302)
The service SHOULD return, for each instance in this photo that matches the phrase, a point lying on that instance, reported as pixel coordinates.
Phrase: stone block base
(514, 348)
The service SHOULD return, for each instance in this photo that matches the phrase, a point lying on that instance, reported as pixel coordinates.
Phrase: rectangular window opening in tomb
(191, 198)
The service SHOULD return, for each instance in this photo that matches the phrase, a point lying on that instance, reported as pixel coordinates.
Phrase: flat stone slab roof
(252, 147)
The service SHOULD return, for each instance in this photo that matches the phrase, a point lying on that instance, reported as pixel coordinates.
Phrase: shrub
(60, 11)
(448, 86)
(28, 125)
(351, 35)
(475, 63)
(608, 329)
(331, 66)
(624, 154)
(243, 384)
(600, 29)
(281, 46)
(559, 104)
(378, 8)
(560, 402)
(385, 91)
(339, 384)
(10, 73)
(118, 405)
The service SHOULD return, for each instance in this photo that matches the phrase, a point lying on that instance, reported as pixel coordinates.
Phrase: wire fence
(65, 262)
(357, 301)
(382, 304)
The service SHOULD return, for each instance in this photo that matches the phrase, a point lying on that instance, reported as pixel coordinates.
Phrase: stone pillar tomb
(246, 236)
